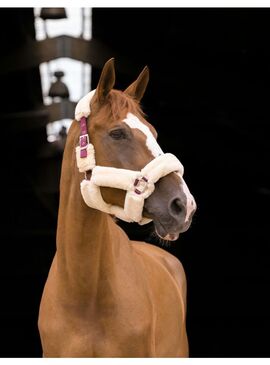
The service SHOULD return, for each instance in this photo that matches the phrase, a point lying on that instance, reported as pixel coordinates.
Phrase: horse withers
(108, 296)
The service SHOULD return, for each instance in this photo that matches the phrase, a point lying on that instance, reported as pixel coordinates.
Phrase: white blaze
(191, 205)
(133, 122)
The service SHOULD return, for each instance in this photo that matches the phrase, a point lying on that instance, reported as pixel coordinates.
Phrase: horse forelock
(118, 104)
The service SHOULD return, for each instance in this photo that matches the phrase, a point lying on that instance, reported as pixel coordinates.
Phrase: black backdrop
(208, 98)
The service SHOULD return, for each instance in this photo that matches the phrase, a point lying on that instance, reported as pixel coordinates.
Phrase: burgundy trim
(84, 138)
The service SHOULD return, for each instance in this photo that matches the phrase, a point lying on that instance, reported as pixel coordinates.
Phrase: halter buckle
(84, 142)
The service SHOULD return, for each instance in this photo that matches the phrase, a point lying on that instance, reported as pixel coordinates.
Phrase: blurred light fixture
(53, 13)
(58, 88)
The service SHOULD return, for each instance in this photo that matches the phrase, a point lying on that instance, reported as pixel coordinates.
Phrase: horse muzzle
(171, 207)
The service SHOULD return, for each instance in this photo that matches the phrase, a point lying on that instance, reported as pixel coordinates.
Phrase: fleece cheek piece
(134, 206)
(88, 162)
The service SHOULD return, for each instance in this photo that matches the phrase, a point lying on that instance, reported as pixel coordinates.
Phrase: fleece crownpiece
(83, 107)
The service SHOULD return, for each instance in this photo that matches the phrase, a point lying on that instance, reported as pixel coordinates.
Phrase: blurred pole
(84, 91)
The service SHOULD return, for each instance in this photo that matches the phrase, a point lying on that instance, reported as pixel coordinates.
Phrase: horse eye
(118, 134)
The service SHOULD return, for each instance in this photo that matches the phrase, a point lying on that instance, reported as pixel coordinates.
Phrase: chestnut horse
(108, 296)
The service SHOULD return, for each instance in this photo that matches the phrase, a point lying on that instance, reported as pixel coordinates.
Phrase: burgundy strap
(84, 138)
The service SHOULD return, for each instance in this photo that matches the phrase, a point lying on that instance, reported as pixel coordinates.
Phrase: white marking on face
(133, 122)
(191, 205)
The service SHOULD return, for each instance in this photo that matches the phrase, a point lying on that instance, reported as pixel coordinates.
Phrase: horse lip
(165, 234)
(169, 236)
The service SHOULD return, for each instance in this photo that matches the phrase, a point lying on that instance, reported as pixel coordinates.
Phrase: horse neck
(87, 240)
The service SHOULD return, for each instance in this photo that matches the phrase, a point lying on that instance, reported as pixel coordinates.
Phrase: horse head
(130, 177)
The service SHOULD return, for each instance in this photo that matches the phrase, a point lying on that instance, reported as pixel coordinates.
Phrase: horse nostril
(176, 207)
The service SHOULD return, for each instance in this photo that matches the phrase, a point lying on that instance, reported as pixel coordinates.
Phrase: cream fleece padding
(87, 163)
(134, 206)
(162, 166)
(114, 178)
(124, 179)
(92, 197)
(83, 107)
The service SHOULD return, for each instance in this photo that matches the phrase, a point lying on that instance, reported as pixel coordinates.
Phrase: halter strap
(84, 138)
(82, 111)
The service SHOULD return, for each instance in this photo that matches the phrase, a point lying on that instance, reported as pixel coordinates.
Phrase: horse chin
(170, 233)
(169, 236)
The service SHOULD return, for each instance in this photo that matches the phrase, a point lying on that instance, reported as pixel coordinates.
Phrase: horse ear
(137, 88)
(106, 81)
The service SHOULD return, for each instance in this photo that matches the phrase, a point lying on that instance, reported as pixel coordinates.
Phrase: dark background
(208, 97)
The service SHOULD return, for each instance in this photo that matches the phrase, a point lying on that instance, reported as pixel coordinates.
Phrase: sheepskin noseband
(138, 185)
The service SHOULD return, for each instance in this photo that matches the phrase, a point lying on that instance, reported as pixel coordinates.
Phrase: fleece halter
(138, 185)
